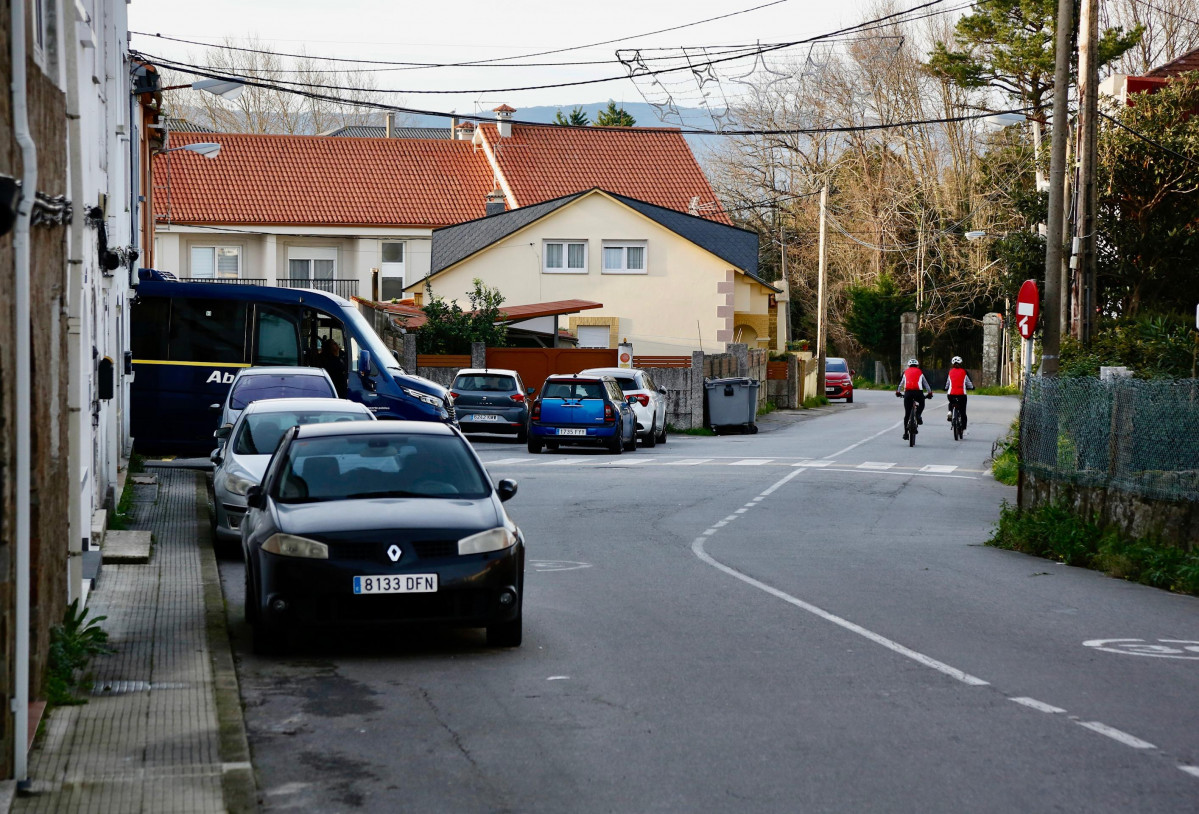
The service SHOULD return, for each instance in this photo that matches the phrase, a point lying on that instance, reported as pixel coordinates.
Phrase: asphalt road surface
(805, 619)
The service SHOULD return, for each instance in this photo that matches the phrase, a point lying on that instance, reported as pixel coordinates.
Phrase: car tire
(631, 446)
(534, 446)
(506, 634)
(651, 437)
(616, 445)
(522, 435)
(662, 435)
(552, 446)
(849, 399)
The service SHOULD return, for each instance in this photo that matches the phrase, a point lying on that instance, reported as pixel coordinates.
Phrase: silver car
(648, 400)
(254, 383)
(248, 446)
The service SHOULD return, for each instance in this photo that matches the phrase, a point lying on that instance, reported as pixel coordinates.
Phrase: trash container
(731, 403)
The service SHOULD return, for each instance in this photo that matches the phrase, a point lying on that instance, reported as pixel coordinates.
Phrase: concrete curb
(237, 782)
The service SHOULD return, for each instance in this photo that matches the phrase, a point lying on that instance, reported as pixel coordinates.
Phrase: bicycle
(955, 422)
(913, 421)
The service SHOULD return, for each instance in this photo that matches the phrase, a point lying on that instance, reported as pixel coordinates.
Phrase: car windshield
(260, 433)
(573, 390)
(253, 388)
(485, 384)
(836, 366)
(351, 467)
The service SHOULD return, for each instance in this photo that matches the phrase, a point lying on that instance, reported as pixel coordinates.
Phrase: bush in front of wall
(73, 644)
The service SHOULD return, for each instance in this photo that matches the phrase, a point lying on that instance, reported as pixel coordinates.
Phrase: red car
(838, 379)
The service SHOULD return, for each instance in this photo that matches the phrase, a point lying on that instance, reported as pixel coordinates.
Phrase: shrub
(72, 646)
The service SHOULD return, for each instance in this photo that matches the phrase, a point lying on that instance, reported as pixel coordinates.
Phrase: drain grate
(126, 687)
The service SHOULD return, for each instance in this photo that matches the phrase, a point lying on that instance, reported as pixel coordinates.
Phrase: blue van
(189, 339)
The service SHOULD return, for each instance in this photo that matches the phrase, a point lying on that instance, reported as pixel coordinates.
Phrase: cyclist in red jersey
(956, 385)
(914, 389)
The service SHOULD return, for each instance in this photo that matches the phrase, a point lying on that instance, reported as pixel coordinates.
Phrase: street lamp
(227, 89)
(208, 149)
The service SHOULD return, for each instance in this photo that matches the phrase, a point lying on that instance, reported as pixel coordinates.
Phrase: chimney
(389, 124)
(503, 117)
(495, 202)
(693, 208)
(453, 127)
(465, 131)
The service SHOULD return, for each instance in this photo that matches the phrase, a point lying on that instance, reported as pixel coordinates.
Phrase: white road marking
(892, 428)
(741, 511)
(874, 465)
(1116, 735)
(943, 469)
(688, 462)
(564, 462)
(624, 463)
(558, 678)
(814, 463)
(752, 462)
(1040, 706)
(507, 461)
(1193, 771)
(731, 518)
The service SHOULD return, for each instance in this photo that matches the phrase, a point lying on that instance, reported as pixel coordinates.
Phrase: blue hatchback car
(581, 409)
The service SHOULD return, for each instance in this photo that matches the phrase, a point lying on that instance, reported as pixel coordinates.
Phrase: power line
(1148, 140)
(482, 61)
(1167, 12)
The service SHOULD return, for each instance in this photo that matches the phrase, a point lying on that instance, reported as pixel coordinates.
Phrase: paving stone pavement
(163, 730)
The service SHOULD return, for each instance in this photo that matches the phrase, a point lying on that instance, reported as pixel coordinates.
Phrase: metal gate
(534, 364)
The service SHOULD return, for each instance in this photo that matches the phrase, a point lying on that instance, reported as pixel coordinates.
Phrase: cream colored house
(670, 282)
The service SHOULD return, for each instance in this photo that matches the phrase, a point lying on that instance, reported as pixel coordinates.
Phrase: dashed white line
(874, 465)
(1116, 735)
(943, 469)
(563, 462)
(508, 461)
(1193, 771)
(1040, 706)
(814, 463)
(688, 462)
(752, 462)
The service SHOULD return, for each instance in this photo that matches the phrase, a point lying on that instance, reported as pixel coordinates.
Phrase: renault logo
(394, 553)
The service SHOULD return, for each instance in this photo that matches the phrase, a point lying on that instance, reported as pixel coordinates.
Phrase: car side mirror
(662, 390)
(853, 372)
(506, 489)
(215, 457)
(214, 408)
(254, 497)
(364, 363)
(223, 432)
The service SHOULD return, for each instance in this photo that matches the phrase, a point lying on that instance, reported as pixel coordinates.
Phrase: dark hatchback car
(491, 400)
(838, 379)
(579, 409)
(369, 523)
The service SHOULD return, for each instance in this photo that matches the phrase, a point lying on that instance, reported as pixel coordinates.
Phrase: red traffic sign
(1028, 308)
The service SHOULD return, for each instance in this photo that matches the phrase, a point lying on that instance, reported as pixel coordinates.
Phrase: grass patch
(1056, 532)
(865, 384)
(996, 390)
(1005, 465)
(73, 644)
(814, 401)
(673, 430)
(767, 408)
(118, 518)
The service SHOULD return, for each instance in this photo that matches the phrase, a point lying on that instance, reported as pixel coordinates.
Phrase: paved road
(800, 620)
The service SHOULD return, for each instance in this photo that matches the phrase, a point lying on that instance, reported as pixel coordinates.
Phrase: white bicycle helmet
(957, 360)
(913, 363)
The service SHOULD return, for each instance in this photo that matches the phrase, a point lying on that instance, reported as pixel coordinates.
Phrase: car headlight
(484, 541)
(289, 545)
(238, 485)
(432, 401)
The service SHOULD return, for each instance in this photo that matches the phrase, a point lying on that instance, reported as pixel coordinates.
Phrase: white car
(248, 446)
(648, 400)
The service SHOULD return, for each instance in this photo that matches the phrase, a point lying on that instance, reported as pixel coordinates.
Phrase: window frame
(214, 248)
(310, 255)
(624, 246)
(565, 243)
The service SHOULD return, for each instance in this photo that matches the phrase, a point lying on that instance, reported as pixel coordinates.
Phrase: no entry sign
(1028, 308)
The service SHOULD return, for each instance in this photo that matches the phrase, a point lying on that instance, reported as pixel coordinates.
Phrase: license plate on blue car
(569, 431)
(397, 584)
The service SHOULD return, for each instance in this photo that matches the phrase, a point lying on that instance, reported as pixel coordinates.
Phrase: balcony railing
(341, 287)
(227, 280)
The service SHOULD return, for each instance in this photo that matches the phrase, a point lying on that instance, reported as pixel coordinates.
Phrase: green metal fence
(1137, 436)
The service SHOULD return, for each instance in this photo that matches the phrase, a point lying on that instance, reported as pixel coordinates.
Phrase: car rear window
(574, 390)
(260, 433)
(351, 467)
(254, 388)
(485, 384)
(836, 366)
(627, 384)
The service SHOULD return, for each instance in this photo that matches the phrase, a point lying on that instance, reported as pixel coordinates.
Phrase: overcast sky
(461, 30)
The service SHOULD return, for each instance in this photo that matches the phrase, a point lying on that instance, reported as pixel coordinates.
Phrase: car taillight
(536, 410)
(643, 398)
(609, 413)
(518, 397)
(453, 395)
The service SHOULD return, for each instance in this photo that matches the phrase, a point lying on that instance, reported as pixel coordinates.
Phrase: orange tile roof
(652, 164)
(1187, 62)
(315, 180)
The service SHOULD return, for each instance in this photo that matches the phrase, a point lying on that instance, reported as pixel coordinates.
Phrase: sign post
(1028, 309)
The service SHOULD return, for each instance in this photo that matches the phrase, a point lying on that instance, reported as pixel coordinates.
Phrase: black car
(368, 523)
(491, 400)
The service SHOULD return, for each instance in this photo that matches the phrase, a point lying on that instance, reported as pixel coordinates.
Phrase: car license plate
(567, 431)
(830, 390)
(397, 584)
(483, 417)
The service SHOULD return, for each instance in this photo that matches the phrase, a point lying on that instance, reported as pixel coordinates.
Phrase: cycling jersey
(958, 382)
(913, 379)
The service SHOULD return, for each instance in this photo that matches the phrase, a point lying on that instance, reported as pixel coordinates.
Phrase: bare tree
(1171, 30)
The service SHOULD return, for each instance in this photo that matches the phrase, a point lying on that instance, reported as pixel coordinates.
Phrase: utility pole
(1088, 199)
(1051, 332)
(821, 299)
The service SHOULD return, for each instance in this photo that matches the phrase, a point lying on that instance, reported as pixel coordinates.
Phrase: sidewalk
(163, 730)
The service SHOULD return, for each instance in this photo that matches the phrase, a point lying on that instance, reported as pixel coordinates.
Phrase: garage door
(593, 336)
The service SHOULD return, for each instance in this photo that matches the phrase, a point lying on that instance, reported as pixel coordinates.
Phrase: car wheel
(616, 445)
(534, 446)
(267, 640)
(506, 634)
(662, 435)
(849, 399)
(251, 603)
(552, 446)
(522, 435)
(651, 437)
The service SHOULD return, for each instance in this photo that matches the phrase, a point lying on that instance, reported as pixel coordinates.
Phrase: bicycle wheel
(957, 425)
(912, 430)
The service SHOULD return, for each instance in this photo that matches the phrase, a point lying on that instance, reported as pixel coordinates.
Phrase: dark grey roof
(452, 244)
(739, 247)
(184, 126)
(373, 131)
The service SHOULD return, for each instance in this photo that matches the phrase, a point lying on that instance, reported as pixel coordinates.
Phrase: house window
(216, 262)
(565, 257)
(391, 270)
(306, 263)
(624, 257)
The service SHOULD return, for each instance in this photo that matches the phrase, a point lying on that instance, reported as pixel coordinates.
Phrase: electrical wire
(1167, 12)
(1148, 140)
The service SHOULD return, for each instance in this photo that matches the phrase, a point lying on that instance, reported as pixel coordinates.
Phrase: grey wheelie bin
(731, 403)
